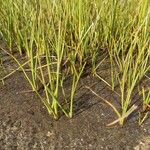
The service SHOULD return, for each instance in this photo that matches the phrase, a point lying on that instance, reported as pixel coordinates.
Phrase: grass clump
(60, 38)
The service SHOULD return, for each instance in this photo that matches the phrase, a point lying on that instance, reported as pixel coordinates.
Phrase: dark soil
(26, 125)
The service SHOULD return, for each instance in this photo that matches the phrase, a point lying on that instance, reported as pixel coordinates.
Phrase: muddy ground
(26, 125)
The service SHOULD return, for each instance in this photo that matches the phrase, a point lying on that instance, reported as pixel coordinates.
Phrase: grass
(146, 105)
(60, 38)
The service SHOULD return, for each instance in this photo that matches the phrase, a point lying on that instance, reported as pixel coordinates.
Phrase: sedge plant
(60, 38)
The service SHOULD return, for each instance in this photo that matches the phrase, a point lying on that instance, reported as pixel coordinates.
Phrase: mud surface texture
(26, 125)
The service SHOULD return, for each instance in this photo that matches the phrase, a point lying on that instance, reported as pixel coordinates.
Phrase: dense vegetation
(59, 39)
